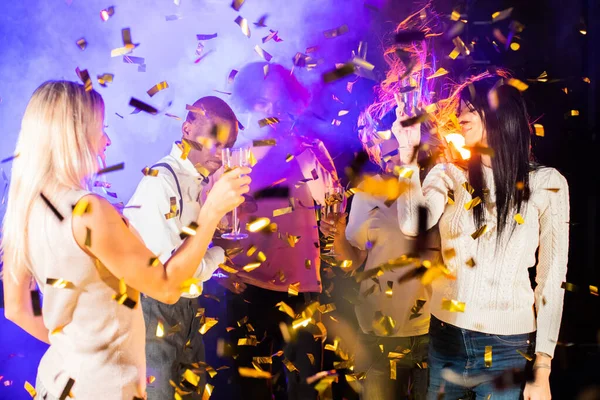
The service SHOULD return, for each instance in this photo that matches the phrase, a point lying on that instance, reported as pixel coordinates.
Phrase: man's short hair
(211, 106)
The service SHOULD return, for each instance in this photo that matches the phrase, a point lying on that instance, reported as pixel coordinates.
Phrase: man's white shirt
(149, 207)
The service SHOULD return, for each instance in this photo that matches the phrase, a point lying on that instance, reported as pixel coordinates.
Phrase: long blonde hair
(57, 148)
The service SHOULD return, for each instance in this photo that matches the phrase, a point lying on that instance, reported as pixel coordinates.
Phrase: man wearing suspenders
(167, 200)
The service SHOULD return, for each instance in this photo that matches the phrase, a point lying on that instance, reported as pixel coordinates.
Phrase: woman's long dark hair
(509, 135)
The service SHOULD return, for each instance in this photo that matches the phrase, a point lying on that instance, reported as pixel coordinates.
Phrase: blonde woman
(93, 322)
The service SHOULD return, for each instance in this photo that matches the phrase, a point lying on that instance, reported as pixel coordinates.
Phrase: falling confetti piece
(488, 356)
(388, 291)
(189, 230)
(52, 208)
(207, 324)
(206, 37)
(133, 60)
(232, 75)
(339, 73)
(501, 15)
(157, 88)
(173, 17)
(248, 341)
(147, 171)
(393, 369)
(311, 358)
(261, 21)
(107, 13)
(519, 85)
(574, 113)
(332, 33)
(35, 302)
(243, 23)
(104, 79)
(282, 211)
(479, 232)
(262, 360)
(471, 262)
(294, 289)
(67, 389)
(237, 4)
(438, 73)
(59, 283)
(262, 53)
(453, 305)
(268, 121)
(519, 219)
(8, 159)
(251, 266)
(472, 203)
(82, 43)
(539, 130)
(301, 322)
(271, 36)
(160, 330)
(289, 365)
(30, 389)
(246, 372)
(467, 186)
(455, 16)
(84, 76)
(258, 224)
(140, 105)
(525, 355)
(112, 168)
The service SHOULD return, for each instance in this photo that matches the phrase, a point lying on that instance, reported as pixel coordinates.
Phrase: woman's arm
(18, 306)
(342, 248)
(125, 256)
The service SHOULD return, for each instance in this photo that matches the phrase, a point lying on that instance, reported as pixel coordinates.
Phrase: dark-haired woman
(493, 218)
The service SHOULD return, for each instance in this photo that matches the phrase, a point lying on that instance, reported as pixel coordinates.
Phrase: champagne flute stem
(234, 222)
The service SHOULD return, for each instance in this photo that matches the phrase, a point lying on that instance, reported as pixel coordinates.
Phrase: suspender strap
(170, 169)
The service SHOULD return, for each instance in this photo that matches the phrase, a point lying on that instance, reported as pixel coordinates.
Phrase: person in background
(78, 249)
(166, 200)
(291, 263)
(493, 219)
(371, 232)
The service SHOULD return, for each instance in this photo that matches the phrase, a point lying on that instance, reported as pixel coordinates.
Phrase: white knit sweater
(497, 291)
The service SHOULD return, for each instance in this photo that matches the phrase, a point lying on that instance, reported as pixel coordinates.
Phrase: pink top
(287, 263)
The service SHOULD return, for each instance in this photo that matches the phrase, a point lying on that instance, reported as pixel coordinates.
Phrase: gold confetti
(388, 291)
(157, 88)
(539, 130)
(251, 266)
(289, 365)
(472, 203)
(237, 4)
(160, 330)
(346, 264)
(191, 377)
(311, 358)
(383, 325)
(282, 211)
(294, 289)
(488, 356)
(147, 171)
(455, 16)
(574, 113)
(453, 305)
(307, 263)
(208, 389)
(521, 86)
(501, 15)
(479, 232)
(263, 54)
(525, 355)
(248, 341)
(393, 369)
(191, 286)
(66, 392)
(189, 230)
(449, 254)
(438, 73)
(403, 172)
(150, 379)
(30, 389)
(88, 237)
(268, 121)
(207, 324)
(246, 372)
(283, 307)
(59, 283)
(107, 13)
(262, 360)
(265, 142)
(332, 33)
(258, 224)
(468, 187)
(471, 262)
(301, 322)
(450, 196)
(82, 43)
(519, 219)
(339, 73)
(243, 23)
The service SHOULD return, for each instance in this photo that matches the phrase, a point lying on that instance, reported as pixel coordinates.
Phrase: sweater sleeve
(551, 269)
(432, 195)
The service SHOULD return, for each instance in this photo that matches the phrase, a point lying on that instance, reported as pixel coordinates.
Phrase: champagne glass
(235, 158)
(335, 206)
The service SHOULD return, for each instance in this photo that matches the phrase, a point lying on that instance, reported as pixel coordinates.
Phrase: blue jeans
(461, 354)
(411, 371)
(168, 357)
